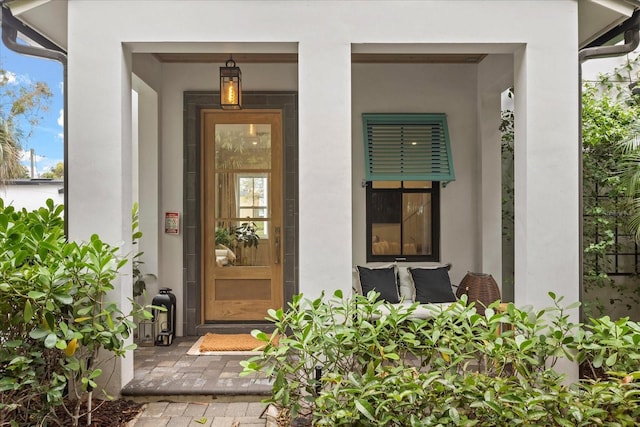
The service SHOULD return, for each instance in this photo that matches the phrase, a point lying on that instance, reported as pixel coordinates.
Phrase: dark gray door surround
(194, 102)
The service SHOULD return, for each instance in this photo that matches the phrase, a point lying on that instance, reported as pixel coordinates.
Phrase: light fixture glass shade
(230, 86)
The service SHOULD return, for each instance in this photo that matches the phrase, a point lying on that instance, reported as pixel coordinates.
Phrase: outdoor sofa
(401, 285)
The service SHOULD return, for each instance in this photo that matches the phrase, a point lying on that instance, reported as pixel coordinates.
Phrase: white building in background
(32, 194)
(144, 123)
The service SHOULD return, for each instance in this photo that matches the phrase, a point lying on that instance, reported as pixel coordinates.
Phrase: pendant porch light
(230, 86)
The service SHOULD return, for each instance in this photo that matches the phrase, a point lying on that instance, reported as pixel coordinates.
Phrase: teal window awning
(407, 147)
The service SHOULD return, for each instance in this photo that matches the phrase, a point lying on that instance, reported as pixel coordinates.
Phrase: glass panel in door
(242, 214)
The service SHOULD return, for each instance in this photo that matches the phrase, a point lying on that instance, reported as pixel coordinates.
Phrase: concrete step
(220, 388)
(195, 398)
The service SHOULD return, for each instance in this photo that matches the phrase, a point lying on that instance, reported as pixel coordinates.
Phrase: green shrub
(456, 368)
(57, 330)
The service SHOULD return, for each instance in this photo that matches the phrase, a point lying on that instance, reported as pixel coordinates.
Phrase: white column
(148, 180)
(324, 82)
(495, 74)
(490, 185)
(100, 190)
(546, 176)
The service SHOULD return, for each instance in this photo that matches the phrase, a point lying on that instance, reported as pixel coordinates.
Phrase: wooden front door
(241, 214)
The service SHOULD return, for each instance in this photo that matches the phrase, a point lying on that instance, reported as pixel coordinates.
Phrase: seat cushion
(382, 280)
(405, 284)
(433, 285)
(423, 311)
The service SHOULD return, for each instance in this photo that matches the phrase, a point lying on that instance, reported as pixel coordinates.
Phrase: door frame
(228, 280)
(194, 102)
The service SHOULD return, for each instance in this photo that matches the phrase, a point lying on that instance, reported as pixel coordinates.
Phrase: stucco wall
(428, 88)
(425, 88)
(32, 195)
(201, 77)
(325, 33)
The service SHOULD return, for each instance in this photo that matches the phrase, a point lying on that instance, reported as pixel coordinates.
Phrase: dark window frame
(435, 224)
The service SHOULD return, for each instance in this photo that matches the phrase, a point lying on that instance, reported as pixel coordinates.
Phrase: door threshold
(233, 328)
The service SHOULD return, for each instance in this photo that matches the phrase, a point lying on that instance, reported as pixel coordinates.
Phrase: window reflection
(242, 185)
(246, 146)
(400, 218)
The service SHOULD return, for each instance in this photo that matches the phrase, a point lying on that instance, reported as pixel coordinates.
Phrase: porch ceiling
(472, 58)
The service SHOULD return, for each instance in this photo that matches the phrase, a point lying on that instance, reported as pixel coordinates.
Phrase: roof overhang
(47, 17)
(595, 17)
(598, 17)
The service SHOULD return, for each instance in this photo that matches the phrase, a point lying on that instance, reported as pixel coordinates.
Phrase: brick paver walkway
(194, 391)
(189, 414)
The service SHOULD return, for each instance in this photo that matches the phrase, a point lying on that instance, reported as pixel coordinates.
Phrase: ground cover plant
(58, 331)
(338, 363)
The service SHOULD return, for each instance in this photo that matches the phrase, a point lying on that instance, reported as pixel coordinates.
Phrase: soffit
(596, 17)
(48, 17)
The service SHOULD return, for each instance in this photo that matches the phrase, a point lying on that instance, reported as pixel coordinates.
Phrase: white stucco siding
(99, 149)
(425, 88)
(146, 176)
(99, 135)
(495, 75)
(324, 31)
(324, 166)
(32, 196)
(546, 169)
(98, 140)
(101, 34)
(170, 268)
(547, 188)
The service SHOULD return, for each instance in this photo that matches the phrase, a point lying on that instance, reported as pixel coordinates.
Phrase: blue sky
(47, 137)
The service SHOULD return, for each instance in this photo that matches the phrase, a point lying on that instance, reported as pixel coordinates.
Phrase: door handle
(276, 258)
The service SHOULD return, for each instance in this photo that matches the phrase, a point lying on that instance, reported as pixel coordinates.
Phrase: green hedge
(457, 368)
(57, 330)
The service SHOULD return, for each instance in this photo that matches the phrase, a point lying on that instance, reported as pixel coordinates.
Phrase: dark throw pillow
(381, 280)
(433, 285)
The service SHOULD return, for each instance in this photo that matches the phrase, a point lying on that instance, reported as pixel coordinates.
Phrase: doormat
(220, 344)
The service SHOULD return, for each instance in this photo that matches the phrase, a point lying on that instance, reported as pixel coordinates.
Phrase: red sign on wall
(172, 222)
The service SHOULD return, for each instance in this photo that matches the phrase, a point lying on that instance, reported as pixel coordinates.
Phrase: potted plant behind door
(246, 238)
(224, 241)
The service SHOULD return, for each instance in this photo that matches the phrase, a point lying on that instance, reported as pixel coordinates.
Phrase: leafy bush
(55, 322)
(139, 278)
(456, 368)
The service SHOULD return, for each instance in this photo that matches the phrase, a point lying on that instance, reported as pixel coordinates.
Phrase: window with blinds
(407, 147)
(407, 157)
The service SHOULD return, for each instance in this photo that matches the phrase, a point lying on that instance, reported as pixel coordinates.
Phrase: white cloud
(61, 87)
(60, 135)
(25, 156)
(8, 77)
(42, 164)
(14, 79)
